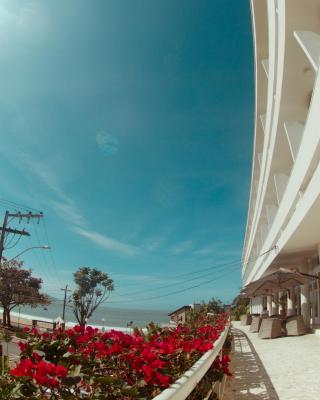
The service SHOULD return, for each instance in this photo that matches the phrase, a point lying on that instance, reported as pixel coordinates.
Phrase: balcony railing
(182, 387)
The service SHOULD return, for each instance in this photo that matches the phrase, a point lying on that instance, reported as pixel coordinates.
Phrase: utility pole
(64, 302)
(3, 233)
(5, 229)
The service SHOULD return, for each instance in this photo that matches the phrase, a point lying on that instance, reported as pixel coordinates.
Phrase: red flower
(61, 371)
(23, 346)
(148, 372)
(43, 372)
(45, 335)
(24, 368)
(163, 380)
(155, 358)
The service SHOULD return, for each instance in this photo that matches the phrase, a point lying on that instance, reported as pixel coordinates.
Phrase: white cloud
(23, 20)
(182, 247)
(107, 143)
(205, 251)
(66, 208)
(107, 242)
(68, 211)
(42, 172)
(218, 249)
(154, 243)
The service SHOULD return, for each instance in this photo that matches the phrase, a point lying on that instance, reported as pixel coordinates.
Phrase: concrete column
(281, 309)
(291, 302)
(305, 304)
(319, 250)
(255, 305)
(318, 299)
(269, 305)
(260, 304)
(298, 301)
(275, 304)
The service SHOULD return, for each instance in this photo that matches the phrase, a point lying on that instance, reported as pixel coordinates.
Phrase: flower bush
(89, 364)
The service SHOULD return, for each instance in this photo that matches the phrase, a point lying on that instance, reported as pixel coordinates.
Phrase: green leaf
(75, 370)
(129, 391)
(109, 380)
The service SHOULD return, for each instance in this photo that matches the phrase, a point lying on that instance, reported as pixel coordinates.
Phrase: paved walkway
(250, 380)
(288, 365)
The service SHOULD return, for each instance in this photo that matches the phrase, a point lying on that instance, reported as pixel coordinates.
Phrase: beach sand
(24, 320)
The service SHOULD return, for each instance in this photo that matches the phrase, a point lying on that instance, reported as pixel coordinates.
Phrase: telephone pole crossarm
(16, 231)
(28, 216)
(5, 229)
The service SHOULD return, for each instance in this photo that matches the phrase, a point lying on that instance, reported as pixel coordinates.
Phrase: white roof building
(283, 224)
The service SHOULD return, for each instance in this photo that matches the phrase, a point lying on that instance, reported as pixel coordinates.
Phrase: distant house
(179, 316)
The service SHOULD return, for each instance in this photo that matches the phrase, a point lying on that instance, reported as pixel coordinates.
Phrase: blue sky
(129, 123)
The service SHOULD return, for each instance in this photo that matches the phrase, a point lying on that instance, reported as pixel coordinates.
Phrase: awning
(283, 279)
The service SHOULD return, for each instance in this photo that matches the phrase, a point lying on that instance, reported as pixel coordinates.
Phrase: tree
(240, 306)
(18, 287)
(215, 306)
(93, 288)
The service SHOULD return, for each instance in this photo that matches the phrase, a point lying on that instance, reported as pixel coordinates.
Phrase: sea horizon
(104, 316)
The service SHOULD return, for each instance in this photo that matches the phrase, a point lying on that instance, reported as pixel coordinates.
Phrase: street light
(46, 247)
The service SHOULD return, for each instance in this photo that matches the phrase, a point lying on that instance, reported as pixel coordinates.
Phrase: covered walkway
(285, 368)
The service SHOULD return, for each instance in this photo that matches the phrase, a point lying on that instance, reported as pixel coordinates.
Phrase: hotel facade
(283, 224)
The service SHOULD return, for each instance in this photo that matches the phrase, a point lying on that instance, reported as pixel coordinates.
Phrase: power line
(39, 243)
(7, 242)
(37, 298)
(8, 207)
(50, 250)
(6, 229)
(16, 205)
(216, 268)
(53, 271)
(176, 291)
(15, 244)
(43, 270)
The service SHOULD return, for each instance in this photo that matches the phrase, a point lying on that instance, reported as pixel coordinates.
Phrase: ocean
(103, 316)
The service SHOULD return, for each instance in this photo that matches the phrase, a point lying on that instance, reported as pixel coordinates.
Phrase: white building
(284, 209)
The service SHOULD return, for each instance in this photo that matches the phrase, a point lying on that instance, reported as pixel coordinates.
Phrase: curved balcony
(292, 136)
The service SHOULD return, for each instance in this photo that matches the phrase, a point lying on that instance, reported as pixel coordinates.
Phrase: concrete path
(291, 365)
(250, 380)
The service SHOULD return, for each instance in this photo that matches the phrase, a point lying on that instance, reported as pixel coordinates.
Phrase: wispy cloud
(28, 19)
(64, 206)
(43, 173)
(153, 244)
(205, 251)
(67, 209)
(182, 247)
(107, 143)
(107, 242)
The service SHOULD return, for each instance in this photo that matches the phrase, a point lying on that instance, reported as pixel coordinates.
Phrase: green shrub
(239, 310)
